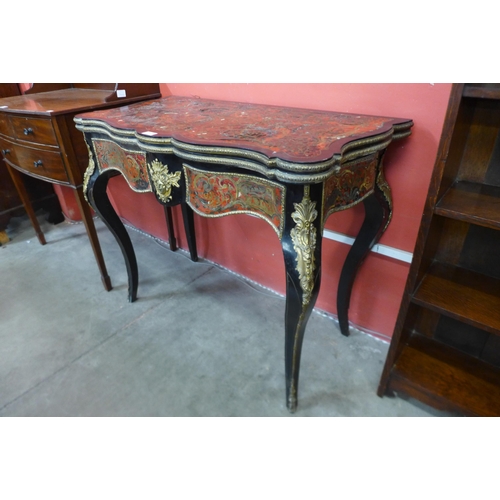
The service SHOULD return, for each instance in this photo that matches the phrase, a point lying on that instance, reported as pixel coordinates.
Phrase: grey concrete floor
(199, 341)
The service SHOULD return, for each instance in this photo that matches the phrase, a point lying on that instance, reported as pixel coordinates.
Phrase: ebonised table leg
(301, 243)
(172, 243)
(98, 199)
(378, 210)
(188, 219)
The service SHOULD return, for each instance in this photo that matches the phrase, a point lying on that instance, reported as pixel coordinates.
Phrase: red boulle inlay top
(292, 134)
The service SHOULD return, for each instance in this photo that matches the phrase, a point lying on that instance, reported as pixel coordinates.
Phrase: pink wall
(250, 246)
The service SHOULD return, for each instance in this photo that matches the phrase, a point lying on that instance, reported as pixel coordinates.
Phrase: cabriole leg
(378, 211)
(301, 245)
(98, 199)
(172, 243)
(188, 219)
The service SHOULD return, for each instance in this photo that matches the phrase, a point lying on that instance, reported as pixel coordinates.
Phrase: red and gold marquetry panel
(292, 134)
(131, 164)
(354, 181)
(215, 194)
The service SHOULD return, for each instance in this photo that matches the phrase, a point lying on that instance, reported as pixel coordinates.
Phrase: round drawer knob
(28, 131)
(38, 163)
(5, 152)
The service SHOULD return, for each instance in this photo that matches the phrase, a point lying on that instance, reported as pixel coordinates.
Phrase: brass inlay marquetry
(350, 185)
(271, 167)
(215, 194)
(304, 243)
(163, 180)
(386, 192)
(131, 164)
(88, 172)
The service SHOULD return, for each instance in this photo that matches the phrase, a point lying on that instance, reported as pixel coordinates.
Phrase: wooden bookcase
(445, 350)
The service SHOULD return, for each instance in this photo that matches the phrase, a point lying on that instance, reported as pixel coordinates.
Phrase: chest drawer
(33, 130)
(4, 125)
(42, 163)
(7, 150)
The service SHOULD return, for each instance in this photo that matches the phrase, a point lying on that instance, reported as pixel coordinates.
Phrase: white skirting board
(391, 252)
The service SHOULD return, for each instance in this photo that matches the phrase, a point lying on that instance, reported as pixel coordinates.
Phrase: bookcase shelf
(482, 90)
(472, 202)
(461, 294)
(446, 378)
(445, 350)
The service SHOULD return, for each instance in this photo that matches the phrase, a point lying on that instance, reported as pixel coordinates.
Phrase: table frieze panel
(131, 164)
(215, 194)
(350, 185)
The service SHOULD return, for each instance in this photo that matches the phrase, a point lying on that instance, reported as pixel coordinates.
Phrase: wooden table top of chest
(39, 134)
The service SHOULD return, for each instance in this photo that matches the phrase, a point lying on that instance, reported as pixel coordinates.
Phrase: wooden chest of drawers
(38, 138)
(37, 161)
